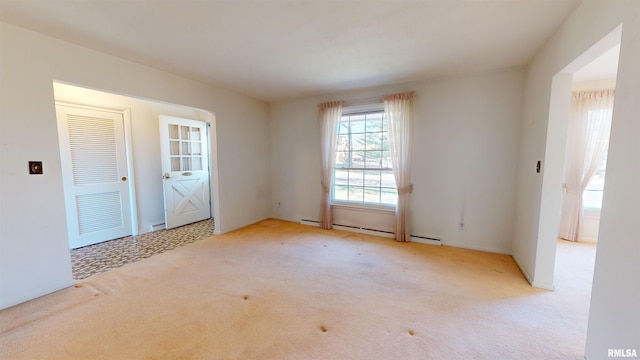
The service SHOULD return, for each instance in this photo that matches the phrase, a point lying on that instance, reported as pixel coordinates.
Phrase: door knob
(166, 176)
(124, 178)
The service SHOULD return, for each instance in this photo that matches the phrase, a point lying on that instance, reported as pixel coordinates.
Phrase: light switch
(35, 167)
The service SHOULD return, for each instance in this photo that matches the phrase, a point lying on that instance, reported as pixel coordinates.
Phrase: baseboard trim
(479, 248)
(535, 284)
(543, 286)
(522, 269)
(37, 294)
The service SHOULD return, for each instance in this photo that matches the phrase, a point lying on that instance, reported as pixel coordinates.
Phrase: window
(592, 195)
(363, 172)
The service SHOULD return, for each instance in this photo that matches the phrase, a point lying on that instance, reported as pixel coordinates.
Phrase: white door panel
(185, 168)
(94, 167)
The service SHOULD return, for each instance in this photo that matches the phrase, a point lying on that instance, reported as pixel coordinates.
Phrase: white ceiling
(279, 49)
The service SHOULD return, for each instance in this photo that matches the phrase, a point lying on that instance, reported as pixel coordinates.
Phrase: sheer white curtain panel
(398, 109)
(329, 114)
(587, 144)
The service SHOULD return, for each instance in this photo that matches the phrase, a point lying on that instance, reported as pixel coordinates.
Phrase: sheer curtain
(398, 109)
(587, 143)
(329, 114)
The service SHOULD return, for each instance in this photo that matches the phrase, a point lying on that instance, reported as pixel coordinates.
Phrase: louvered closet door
(93, 157)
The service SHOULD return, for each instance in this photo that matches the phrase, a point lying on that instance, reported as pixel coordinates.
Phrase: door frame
(128, 144)
(209, 117)
(554, 159)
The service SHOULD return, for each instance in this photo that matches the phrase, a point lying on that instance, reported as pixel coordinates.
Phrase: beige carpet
(279, 290)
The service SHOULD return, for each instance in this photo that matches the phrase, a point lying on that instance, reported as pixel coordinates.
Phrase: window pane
(343, 127)
(357, 142)
(386, 160)
(184, 132)
(373, 159)
(342, 159)
(186, 148)
(342, 143)
(175, 163)
(356, 177)
(387, 179)
(374, 141)
(372, 194)
(372, 178)
(357, 127)
(174, 147)
(173, 132)
(592, 199)
(186, 163)
(374, 125)
(341, 177)
(356, 193)
(388, 196)
(196, 148)
(357, 117)
(341, 193)
(195, 134)
(357, 159)
(597, 181)
(385, 141)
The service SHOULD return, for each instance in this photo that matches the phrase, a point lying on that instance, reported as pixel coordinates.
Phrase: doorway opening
(569, 266)
(142, 168)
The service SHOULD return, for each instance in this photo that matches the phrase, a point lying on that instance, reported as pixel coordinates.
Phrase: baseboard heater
(426, 240)
(364, 228)
(351, 228)
(431, 240)
(310, 222)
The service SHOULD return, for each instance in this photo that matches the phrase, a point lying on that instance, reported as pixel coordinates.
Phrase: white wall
(466, 151)
(145, 137)
(34, 252)
(614, 316)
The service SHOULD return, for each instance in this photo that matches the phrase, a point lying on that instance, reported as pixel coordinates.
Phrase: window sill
(384, 209)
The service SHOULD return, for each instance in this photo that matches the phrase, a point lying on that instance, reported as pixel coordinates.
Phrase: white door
(185, 168)
(94, 173)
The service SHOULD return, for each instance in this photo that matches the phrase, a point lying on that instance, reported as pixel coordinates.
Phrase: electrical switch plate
(35, 167)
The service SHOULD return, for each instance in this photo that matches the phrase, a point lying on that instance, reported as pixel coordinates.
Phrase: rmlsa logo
(622, 353)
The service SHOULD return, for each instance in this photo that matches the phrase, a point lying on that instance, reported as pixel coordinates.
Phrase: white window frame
(355, 110)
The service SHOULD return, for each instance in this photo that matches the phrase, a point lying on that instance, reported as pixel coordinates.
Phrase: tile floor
(94, 259)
